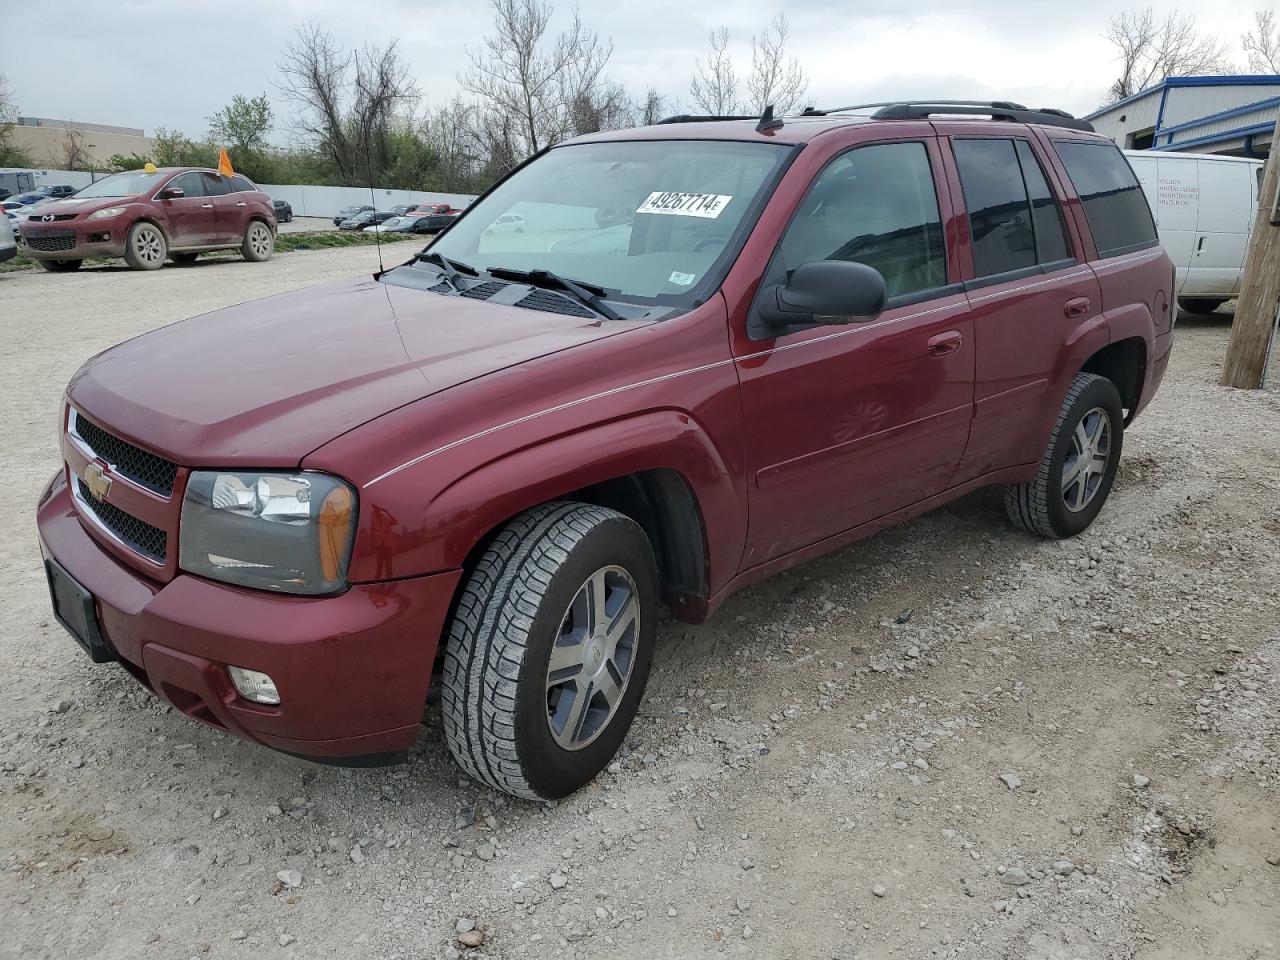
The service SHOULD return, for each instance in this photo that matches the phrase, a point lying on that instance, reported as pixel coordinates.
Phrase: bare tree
(348, 101)
(10, 156)
(651, 108)
(1151, 49)
(715, 84)
(775, 78)
(74, 152)
(1262, 43)
(534, 89)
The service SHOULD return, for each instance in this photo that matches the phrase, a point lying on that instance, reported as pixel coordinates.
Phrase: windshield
(654, 221)
(122, 185)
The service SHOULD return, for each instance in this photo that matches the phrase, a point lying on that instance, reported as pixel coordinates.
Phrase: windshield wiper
(452, 269)
(586, 294)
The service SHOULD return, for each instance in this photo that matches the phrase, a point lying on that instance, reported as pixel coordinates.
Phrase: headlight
(105, 212)
(273, 531)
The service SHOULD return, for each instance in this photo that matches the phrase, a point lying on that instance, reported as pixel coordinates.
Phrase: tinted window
(241, 185)
(874, 205)
(999, 213)
(189, 183)
(216, 185)
(1114, 205)
(1046, 218)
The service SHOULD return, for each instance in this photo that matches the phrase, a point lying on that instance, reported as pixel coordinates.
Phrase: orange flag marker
(224, 163)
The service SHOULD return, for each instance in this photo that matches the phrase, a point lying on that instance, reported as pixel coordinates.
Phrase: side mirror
(824, 292)
(172, 193)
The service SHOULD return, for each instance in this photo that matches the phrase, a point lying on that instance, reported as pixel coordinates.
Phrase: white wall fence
(306, 201)
(326, 201)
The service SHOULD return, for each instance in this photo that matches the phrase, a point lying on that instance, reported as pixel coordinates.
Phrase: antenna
(377, 232)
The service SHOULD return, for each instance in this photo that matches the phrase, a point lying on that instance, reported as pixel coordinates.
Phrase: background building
(70, 145)
(1232, 115)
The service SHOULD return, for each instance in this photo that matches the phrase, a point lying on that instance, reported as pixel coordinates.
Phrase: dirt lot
(951, 740)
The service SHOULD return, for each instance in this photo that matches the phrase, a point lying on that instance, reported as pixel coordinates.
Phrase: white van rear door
(1222, 230)
(1177, 200)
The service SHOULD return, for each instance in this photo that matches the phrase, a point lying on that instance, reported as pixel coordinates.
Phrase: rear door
(1222, 227)
(191, 216)
(227, 215)
(1175, 207)
(1028, 289)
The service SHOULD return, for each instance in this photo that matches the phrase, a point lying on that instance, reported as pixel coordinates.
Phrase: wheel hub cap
(592, 656)
(1086, 464)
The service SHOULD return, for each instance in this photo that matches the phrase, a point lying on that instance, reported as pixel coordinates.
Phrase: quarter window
(1117, 211)
(875, 205)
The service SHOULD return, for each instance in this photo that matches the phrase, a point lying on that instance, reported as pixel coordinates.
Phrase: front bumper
(73, 240)
(352, 669)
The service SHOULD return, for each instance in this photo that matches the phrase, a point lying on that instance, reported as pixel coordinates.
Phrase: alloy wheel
(148, 245)
(592, 657)
(1086, 462)
(259, 239)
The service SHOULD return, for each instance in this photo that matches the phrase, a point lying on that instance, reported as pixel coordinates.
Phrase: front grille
(52, 218)
(552, 302)
(52, 241)
(151, 542)
(145, 469)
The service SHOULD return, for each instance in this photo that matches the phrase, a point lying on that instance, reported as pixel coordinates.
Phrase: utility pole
(1256, 308)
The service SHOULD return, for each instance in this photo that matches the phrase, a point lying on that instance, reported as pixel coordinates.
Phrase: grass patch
(285, 243)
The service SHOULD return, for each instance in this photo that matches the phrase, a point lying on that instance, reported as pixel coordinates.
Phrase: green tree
(129, 161)
(243, 124)
(175, 149)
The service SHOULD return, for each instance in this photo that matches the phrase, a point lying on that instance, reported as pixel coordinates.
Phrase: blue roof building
(1231, 115)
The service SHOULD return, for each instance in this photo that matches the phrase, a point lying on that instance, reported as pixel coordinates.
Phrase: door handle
(1200, 246)
(1076, 308)
(241, 204)
(943, 344)
(207, 206)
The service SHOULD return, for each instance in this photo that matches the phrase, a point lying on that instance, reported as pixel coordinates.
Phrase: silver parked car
(8, 249)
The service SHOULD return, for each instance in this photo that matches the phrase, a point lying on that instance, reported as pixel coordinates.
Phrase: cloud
(172, 63)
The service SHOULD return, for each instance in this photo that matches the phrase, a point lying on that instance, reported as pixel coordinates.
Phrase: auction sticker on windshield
(706, 205)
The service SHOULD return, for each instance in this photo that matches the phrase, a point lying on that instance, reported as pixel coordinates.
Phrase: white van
(1204, 207)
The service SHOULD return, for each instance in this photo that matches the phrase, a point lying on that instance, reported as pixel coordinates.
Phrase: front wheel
(258, 243)
(549, 649)
(1079, 465)
(146, 248)
(60, 266)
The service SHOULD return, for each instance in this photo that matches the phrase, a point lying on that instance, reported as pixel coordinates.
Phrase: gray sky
(172, 63)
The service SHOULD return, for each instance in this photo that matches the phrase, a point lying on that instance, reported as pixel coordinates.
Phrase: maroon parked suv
(174, 212)
(718, 349)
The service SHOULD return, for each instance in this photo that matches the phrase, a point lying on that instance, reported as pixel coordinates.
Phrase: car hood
(265, 383)
(87, 205)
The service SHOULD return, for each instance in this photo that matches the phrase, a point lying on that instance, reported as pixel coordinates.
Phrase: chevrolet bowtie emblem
(99, 483)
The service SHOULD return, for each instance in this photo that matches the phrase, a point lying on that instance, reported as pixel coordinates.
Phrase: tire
(258, 243)
(183, 258)
(507, 716)
(1090, 413)
(60, 266)
(1200, 306)
(146, 248)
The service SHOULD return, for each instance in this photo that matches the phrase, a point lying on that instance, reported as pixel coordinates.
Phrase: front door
(190, 217)
(845, 424)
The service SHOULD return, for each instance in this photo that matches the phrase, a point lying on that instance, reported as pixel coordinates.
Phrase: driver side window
(189, 184)
(875, 205)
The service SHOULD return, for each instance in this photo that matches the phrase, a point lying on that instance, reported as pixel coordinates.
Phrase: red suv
(718, 349)
(173, 213)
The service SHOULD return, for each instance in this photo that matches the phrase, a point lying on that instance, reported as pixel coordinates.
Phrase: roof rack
(995, 109)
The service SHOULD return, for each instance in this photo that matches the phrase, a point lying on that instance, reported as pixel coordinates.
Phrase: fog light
(255, 686)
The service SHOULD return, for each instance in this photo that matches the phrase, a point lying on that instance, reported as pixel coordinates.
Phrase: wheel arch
(1124, 363)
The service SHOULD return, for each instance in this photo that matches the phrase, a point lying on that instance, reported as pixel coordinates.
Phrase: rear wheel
(258, 243)
(1200, 305)
(1079, 465)
(549, 650)
(60, 266)
(146, 248)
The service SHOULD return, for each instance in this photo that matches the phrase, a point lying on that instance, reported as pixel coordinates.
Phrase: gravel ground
(950, 740)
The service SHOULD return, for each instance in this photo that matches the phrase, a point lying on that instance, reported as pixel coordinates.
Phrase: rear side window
(1014, 220)
(241, 185)
(875, 205)
(1114, 204)
(215, 185)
